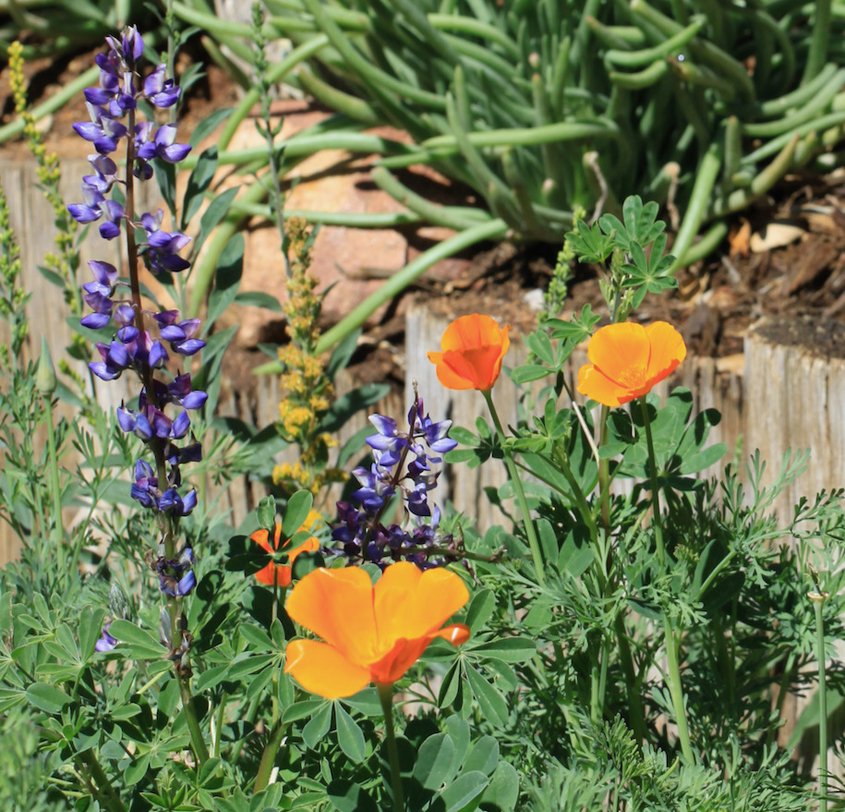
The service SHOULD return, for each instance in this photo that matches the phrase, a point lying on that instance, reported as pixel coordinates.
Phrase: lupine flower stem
(671, 637)
(818, 599)
(519, 491)
(101, 782)
(385, 694)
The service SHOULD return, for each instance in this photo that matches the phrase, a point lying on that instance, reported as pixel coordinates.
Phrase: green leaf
(317, 728)
(349, 735)
(90, 629)
(480, 609)
(502, 792)
(198, 182)
(266, 512)
(256, 636)
(48, 698)
(212, 216)
(468, 786)
(492, 703)
(463, 436)
(226, 281)
(141, 643)
(208, 125)
(528, 372)
(296, 512)
(436, 764)
(257, 298)
(349, 796)
(507, 649)
(484, 755)
(299, 710)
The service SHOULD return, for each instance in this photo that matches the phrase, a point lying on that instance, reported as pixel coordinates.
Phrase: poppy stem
(385, 694)
(671, 637)
(519, 491)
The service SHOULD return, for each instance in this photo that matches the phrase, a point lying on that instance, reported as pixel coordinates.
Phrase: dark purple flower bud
(189, 502)
(106, 642)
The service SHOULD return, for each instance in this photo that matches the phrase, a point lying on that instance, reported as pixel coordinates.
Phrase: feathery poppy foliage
(472, 349)
(274, 574)
(627, 360)
(370, 633)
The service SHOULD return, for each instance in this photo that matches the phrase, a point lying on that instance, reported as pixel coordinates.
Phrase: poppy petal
(323, 670)
(457, 634)
(667, 350)
(410, 603)
(621, 351)
(394, 665)
(273, 575)
(598, 387)
(261, 538)
(449, 379)
(337, 605)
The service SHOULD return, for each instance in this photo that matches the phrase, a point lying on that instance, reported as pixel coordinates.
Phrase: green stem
(492, 230)
(632, 680)
(818, 599)
(385, 695)
(519, 491)
(676, 689)
(56, 101)
(604, 472)
(101, 780)
(817, 53)
(53, 468)
(197, 741)
(268, 758)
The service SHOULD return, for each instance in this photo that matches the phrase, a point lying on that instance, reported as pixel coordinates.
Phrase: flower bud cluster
(403, 464)
(141, 341)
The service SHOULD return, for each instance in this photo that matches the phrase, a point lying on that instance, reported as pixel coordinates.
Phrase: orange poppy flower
(280, 574)
(472, 349)
(371, 633)
(627, 360)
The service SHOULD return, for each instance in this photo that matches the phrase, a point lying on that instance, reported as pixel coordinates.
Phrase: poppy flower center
(629, 377)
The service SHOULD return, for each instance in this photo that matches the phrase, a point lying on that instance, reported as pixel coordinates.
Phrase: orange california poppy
(627, 360)
(472, 349)
(371, 633)
(280, 574)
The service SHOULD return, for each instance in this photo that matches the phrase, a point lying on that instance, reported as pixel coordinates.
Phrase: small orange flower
(371, 633)
(472, 349)
(628, 360)
(280, 574)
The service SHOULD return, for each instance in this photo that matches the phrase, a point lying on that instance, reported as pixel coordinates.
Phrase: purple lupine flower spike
(139, 344)
(402, 464)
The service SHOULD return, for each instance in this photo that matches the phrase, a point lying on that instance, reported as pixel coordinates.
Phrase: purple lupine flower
(180, 334)
(163, 145)
(160, 91)
(402, 464)
(176, 577)
(106, 642)
(161, 417)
